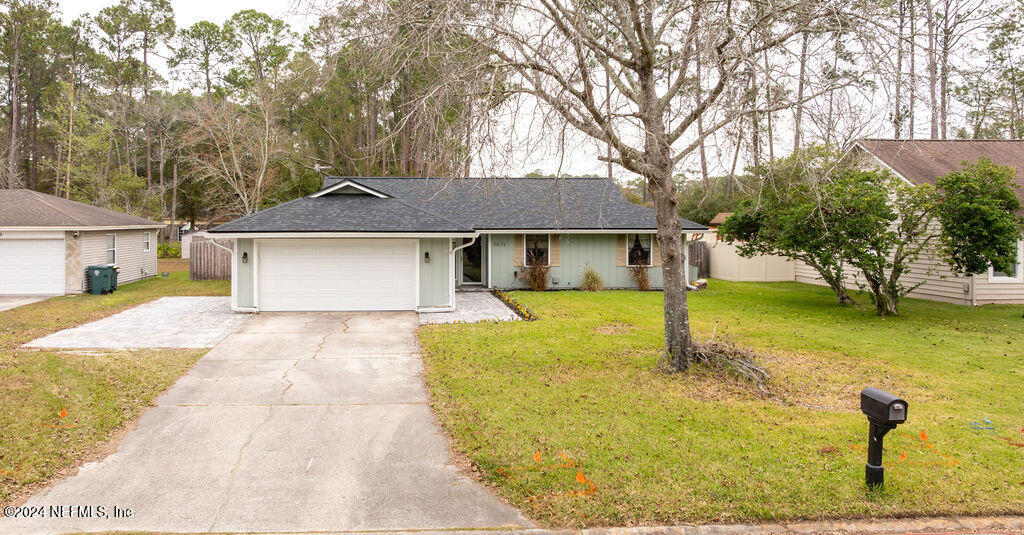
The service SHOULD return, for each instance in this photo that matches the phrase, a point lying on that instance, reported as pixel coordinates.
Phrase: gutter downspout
(463, 246)
(454, 269)
(225, 247)
(686, 264)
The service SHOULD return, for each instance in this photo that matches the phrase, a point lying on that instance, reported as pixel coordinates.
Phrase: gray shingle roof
(458, 205)
(28, 208)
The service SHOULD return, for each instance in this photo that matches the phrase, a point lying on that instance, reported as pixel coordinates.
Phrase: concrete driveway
(8, 302)
(184, 321)
(296, 422)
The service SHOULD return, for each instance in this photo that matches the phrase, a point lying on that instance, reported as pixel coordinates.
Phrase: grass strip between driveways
(100, 391)
(570, 420)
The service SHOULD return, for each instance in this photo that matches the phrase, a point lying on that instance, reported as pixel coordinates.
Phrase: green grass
(101, 391)
(692, 447)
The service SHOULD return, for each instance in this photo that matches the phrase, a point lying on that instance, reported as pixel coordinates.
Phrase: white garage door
(321, 274)
(31, 266)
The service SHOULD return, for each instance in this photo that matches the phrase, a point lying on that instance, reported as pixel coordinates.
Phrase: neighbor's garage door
(31, 266)
(322, 274)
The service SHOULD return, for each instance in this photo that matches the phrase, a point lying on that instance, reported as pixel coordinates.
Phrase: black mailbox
(882, 407)
(884, 411)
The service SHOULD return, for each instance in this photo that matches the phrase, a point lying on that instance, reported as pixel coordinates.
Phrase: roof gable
(348, 187)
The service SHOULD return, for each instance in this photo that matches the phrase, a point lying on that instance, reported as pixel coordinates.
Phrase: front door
(472, 262)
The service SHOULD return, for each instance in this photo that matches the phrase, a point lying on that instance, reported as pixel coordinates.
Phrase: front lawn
(57, 408)
(547, 408)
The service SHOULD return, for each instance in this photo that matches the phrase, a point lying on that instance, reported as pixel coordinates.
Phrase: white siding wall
(132, 261)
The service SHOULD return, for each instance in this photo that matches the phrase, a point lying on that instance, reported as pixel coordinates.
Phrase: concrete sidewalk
(908, 526)
(299, 422)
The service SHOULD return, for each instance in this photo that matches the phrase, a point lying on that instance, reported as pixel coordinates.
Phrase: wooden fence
(700, 257)
(208, 261)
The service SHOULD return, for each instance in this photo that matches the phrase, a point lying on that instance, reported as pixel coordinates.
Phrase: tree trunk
(799, 112)
(834, 279)
(679, 353)
(755, 124)
(145, 104)
(71, 135)
(913, 69)
(700, 133)
(933, 73)
(835, 283)
(31, 140)
(12, 158)
(770, 130)
(886, 302)
(944, 72)
(174, 195)
(897, 114)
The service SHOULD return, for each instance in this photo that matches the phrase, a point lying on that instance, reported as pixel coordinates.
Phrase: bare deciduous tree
(558, 53)
(237, 148)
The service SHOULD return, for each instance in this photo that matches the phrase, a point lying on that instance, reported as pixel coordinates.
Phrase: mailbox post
(884, 411)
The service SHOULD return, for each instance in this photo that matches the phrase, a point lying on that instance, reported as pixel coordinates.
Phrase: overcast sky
(187, 12)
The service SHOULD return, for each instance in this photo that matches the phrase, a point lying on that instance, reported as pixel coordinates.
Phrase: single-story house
(47, 242)
(923, 162)
(408, 243)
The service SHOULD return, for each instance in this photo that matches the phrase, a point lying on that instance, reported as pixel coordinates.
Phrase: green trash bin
(114, 272)
(101, 279)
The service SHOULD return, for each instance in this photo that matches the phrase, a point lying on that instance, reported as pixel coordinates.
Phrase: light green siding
(435, 277)
(577, 250)
(243, 274)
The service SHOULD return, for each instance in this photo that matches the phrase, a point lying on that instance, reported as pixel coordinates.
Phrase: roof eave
(80, 228)
(342, 234)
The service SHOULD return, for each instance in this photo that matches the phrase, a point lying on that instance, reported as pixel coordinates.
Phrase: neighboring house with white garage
(408, 243)
(46, 243)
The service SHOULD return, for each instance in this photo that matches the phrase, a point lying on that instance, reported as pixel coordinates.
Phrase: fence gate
(208, 261)
(700, 257)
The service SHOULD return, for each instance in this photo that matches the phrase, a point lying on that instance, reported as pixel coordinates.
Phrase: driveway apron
(296, 422)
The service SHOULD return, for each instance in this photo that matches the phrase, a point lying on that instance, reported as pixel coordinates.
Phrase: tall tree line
(256, 114)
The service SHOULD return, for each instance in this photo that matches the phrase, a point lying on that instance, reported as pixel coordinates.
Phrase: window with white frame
(638, 250)
(1015, 273)
(111, 249)
(145, 241)
(535, 250)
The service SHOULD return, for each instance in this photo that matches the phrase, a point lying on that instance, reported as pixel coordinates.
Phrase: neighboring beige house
(917, 162)
(923, 162)
(47, 242)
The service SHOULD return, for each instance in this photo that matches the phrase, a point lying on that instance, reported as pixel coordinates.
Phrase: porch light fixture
(245, 258)
(426, 257)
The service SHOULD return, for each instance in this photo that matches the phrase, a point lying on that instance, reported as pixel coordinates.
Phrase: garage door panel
(337, 275)
(31, 267)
